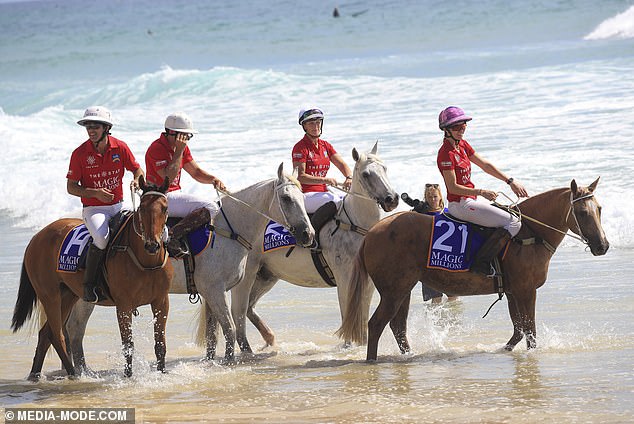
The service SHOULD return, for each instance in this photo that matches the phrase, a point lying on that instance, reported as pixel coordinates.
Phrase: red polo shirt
(158, 156)
(458, 161)
(94, 170)
(317, 160)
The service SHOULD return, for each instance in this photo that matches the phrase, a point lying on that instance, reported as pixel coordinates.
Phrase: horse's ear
(295, 171)
(593, 186)
(142, 183)
(573, 187)
(355, 154)
(280, 171)
(166, 184)
(374, 148)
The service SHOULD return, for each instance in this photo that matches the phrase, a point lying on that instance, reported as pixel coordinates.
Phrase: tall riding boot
(94, 257)
(320, 217)
(488, 251)
(197, 218)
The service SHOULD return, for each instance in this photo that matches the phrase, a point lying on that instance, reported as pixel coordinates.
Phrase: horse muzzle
(389, 203)
(152, 247)
(303, 238)
(600, 248)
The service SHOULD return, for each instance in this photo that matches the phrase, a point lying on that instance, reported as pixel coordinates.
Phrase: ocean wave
(620, 26)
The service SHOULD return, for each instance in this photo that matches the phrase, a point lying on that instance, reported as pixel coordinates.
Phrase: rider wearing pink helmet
(454, 162)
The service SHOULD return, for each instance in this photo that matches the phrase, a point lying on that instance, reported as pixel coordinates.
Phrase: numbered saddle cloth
(73, 248)
(453, 244)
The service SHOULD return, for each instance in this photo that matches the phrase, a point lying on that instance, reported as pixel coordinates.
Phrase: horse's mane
(538, 199)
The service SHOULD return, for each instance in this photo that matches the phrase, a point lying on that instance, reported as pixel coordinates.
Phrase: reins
(581, 238)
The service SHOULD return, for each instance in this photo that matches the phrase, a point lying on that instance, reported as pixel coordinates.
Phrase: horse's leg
(522, 312)
(160, 309)
(223, 315)
(211, 328)
(43, 343)
(262, 286)
(125, 328)
(57, 309)
(398, 324)
(76, 329)
(385, 312)
(240, 302)
(518, 332)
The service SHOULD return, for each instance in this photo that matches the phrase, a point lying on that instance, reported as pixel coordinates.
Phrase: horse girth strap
(349, 227)
(535, 240)
(233, 236)
(322, 267)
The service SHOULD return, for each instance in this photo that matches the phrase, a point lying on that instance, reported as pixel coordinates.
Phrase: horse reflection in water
(395, 250)
(137, 270)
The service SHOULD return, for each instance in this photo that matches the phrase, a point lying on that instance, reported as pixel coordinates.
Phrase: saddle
(322, 215)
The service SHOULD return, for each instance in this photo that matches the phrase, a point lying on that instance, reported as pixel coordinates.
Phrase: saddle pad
(276, 236)
(453, 244)
(72, 248)
(200, 238)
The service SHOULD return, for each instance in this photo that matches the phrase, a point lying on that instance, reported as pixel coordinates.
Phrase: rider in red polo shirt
(166, 157)
(454, 162)
(95, 174)
(312, 157)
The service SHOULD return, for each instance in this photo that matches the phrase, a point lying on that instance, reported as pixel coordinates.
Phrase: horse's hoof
(34, 377)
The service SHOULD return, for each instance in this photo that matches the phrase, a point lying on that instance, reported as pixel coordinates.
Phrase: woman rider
(454, 162)
(312, 157)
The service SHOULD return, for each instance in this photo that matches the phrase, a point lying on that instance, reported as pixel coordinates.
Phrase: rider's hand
(347, 184)
(518, 189)
(488, 194)
(331, 182)
(134, 185)
(104, 195)
(219, 184)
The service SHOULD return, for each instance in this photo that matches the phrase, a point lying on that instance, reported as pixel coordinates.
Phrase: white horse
(220, 268)
(339, 241)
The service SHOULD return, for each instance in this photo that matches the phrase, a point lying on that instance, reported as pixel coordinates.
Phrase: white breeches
(481, 212)
(96, 219)
(180, 204)
(314, 199)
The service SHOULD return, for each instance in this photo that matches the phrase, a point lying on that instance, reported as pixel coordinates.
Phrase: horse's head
(585, 219)
(370, 178)
(152, 215)
(290, 200)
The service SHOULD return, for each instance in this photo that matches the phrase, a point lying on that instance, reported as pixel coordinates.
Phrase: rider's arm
(202, 176)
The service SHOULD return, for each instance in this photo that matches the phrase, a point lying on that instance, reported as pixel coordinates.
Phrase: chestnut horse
(136, 268)
(395, 251)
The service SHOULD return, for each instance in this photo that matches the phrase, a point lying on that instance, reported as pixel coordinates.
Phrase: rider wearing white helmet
(312, 157)
(454, 162)
(166, 157)
(96, 174)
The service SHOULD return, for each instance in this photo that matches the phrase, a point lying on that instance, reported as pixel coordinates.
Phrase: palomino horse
(137, 271)
(221, 267)
(339, 242)
(395, 251)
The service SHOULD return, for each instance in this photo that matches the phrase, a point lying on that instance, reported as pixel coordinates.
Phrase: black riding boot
(93, 262)
(197, 218)
(323, 214)
(488, 251)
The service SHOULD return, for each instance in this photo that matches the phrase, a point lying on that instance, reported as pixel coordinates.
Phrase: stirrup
(178, 252)
(94, 299)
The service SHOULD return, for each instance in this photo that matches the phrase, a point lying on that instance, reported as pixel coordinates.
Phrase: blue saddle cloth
(72, 248)
(276, 236)
(453, 244)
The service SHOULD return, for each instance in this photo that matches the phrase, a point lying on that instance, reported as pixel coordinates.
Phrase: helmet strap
(448, 134)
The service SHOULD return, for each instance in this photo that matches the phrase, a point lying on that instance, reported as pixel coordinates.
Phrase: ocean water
(549, 84)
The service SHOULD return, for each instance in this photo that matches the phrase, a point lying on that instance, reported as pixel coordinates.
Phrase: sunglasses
(458, 125)
(175, 133)
(431, 185)
(93, 127)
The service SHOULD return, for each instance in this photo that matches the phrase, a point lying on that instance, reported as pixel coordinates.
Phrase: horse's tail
(354, 326)
(25, 303)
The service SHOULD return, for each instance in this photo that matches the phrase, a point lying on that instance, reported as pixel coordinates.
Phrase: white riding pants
(314, 199)
(481, 212)
(96, 219)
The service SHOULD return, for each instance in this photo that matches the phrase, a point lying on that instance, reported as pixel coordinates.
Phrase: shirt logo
(90, 160)
(116, 158)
